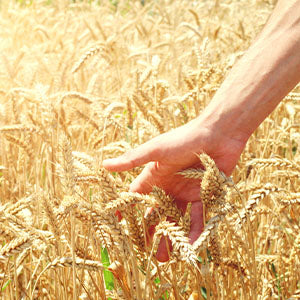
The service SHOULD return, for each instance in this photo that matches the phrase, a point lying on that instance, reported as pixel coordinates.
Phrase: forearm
(263, 76)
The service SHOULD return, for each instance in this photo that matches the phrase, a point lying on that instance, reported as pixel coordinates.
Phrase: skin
(266, 73)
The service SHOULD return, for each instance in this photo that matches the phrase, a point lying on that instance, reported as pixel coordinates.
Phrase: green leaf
(108, 276)
(209, 257)
(5, 285)
(278, 279)
(165, 296)
(294, 150)
(203, 292)
(157, 280)
(274, 270)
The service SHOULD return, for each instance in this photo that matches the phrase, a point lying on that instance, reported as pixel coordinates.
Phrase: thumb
(133, 158)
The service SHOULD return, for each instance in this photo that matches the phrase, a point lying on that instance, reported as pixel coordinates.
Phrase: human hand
(171, 152)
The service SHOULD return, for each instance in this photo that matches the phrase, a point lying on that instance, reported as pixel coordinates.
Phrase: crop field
(82, 81)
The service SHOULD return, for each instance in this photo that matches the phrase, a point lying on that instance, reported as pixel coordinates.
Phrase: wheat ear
(69, 262)
(253, 201)
(180, 241)
(91, 52)
(68, 177)
(293, 198)
(192, 173)
(209, 230)
(15, 246)
(166, 205)
(274, 162)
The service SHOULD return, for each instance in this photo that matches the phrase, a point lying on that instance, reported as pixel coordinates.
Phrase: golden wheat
(82, 82)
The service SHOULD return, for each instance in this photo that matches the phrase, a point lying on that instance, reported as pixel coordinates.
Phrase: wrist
(223, 124)
(219, 142)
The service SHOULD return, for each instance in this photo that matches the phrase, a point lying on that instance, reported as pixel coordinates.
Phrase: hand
(174, 151)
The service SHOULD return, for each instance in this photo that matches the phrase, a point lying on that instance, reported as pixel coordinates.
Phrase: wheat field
(81, 81)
